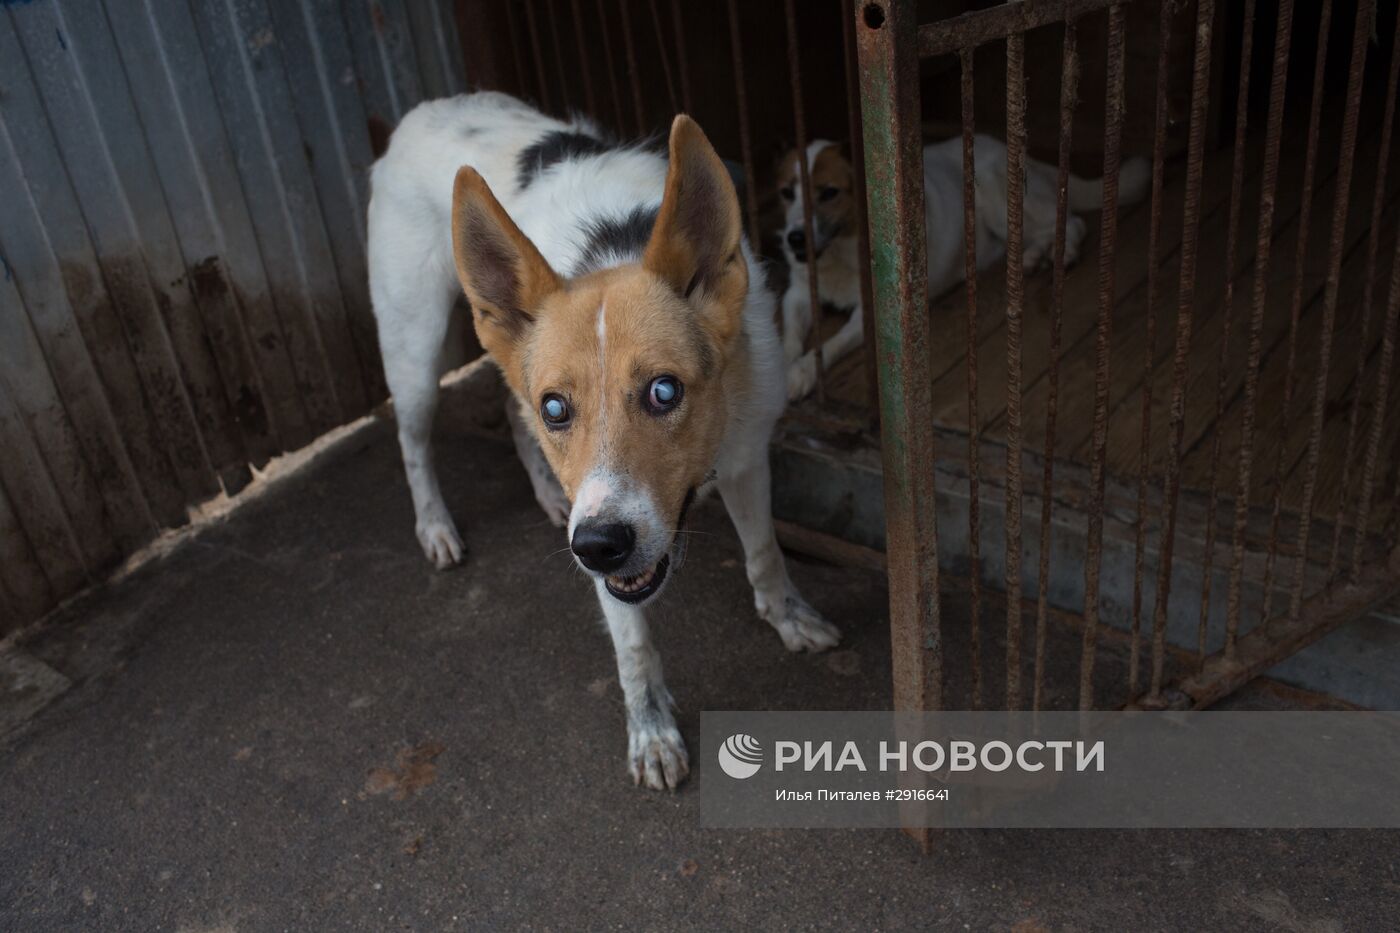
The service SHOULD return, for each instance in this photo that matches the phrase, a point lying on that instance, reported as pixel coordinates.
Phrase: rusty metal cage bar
(804, 174)
(1103, 336)
(1069, 94)
(853, 122)
(1361, 33)
(974, 420)
(1367, 296)
(741, 94)
(1296, 305)
(1222, 381)
(1273, 132)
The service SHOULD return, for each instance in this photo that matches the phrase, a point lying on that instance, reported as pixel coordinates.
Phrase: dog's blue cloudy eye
(664, 393)
(554, 410)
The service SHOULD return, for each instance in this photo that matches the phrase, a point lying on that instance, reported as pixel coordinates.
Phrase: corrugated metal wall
(182, 198)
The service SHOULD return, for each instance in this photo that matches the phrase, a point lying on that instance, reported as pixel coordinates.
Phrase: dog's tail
(1134, 177)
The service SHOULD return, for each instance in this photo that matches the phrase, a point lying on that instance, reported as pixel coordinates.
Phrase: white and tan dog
(614, 289)
(834, 231)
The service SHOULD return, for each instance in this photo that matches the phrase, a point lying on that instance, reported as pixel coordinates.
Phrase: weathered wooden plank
(317, 57)
(23, 579)
(240, 47)
(76, 282)
(99, 166)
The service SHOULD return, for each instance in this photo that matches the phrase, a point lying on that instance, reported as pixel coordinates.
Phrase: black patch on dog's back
(553, 148)
(623, 237)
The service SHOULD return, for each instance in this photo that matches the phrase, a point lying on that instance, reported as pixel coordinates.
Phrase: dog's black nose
(603, 548)
(797, 239)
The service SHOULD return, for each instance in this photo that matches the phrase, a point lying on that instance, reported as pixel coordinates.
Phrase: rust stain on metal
(853, 117)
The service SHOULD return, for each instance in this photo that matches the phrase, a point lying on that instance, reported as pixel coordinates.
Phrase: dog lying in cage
(834, 250)
(613, 287)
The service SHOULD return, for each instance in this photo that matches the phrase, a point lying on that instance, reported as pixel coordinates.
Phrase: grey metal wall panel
(184, 186)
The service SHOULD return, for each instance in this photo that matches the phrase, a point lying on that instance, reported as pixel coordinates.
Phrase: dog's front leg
(797, 314)
(656, 754)
(748, 498)
(548, 493)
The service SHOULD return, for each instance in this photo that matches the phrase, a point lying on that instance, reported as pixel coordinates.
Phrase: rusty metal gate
(1334, 577)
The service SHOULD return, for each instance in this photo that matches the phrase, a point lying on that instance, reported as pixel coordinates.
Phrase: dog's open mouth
(643, 585)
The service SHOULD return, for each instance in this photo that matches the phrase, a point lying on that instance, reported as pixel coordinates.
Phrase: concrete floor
(293, 722)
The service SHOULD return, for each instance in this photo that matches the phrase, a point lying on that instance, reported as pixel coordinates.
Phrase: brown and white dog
(834, 251)
(613, 287)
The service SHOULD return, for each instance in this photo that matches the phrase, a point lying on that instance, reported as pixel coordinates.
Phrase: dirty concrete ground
(293, 722)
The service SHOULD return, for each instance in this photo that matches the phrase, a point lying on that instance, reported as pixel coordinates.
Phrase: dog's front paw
(800, 626)
(801, 377)
(440, 541)
(656, 756)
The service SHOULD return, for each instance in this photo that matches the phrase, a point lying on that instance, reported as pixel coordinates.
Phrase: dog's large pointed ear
(505, 277)
(694, 245)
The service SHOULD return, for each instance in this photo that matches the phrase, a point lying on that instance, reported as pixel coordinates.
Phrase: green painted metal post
(887, 42)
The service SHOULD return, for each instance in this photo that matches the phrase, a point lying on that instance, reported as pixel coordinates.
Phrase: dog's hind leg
(748, 498)
(412, 326)
(548, 493)
(656, 754)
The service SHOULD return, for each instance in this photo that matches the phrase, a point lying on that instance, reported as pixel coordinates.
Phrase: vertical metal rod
(1103, 336)
(1069, 96)
(633, 74)
(1295, 309)
(1015, 309)
(559, 57)
(608, 59)
(590, 99)
(1263, 247)
(1195, 160)
(1365, 13)
(1372, 248)
(856, 134)
(1373, 444)
(1223, 370)
(974, 422)
(665, 57)
(799, 121)
(1154, 297)
(741, 95)
(887, 42)
(682, 60)
(534, 30)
